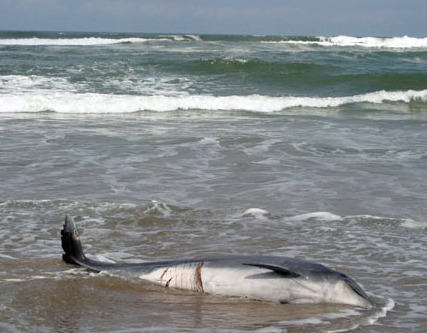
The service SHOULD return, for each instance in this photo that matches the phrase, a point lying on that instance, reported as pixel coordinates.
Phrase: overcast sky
(278, 17)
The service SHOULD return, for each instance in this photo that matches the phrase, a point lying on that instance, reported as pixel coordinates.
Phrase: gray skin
(270, 278)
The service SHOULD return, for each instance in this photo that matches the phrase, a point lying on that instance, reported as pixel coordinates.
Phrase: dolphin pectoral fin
(277, 269)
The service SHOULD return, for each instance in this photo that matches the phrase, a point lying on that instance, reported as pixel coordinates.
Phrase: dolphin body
(267, 278)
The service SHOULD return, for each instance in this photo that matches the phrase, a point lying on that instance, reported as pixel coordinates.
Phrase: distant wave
(88, 41)
(109, 103)
(404, 42)
(180, 38)
(85, 41)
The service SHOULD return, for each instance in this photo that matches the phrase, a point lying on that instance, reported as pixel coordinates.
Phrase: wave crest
(404, 42)
(109, 103)
(85, 41)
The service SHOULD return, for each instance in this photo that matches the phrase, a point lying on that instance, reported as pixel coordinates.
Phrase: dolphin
(265, 278)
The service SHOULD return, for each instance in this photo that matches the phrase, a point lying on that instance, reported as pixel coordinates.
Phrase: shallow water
(173, 147)
(193, 184)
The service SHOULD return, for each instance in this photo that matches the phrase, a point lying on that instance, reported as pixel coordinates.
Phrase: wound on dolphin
(266, 278)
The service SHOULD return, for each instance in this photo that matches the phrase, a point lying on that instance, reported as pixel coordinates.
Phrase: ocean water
(183, 146)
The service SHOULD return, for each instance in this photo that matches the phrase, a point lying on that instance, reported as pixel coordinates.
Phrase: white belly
(243, 282)
(183, 276)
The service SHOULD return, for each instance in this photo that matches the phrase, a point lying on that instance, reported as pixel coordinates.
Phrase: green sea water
(38, 71)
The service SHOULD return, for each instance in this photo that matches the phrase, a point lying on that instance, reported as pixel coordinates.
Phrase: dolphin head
(328, 287)
(307, 282)
(344, 289)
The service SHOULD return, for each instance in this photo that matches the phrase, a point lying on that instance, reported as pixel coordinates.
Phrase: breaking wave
(110, 103)
(91, 40)
(404, 42)
(85, 41)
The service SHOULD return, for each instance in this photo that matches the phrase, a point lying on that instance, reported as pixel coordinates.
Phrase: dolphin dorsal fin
(277, 269)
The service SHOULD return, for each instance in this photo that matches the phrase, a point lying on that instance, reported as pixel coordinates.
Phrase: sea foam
(257, 213)
(377, 42)
(86, 41)
(65, 102)
(90, 41)
(404, 42)
(318, 216)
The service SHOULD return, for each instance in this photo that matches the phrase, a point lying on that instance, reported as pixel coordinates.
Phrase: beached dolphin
(268, 278)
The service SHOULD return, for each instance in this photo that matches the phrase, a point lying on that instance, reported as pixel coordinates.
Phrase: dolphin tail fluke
(71, 244)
